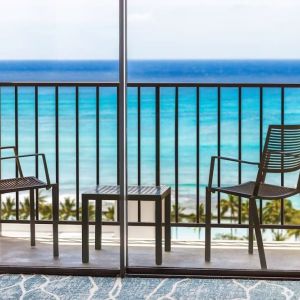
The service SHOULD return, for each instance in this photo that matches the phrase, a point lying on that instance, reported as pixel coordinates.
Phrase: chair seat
(266, 191)
(20, 184)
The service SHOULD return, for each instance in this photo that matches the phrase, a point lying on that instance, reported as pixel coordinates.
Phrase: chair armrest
(212, 165)
(8, 147)
(236, 160)
(18, 165)
(34, 155)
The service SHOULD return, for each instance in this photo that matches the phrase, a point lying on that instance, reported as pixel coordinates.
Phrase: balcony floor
(16, 251)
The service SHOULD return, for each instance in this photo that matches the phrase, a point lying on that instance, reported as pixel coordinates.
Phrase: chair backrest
(281, 152)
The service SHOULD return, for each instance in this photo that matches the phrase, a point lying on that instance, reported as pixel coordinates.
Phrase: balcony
(173, 130)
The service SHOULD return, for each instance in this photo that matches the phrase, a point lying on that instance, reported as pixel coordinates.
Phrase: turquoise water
(108, 130)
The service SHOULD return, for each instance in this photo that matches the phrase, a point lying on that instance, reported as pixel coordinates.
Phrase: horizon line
(155, 59)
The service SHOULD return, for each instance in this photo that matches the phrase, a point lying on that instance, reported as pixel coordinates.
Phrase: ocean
(226, 71)
(265, 71)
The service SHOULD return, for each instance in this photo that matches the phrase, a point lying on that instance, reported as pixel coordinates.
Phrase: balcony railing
(173, 129)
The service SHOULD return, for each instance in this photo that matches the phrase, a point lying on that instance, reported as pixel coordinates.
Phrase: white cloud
(65, 29)
(88, 29)
(143, 17)
(216, 29)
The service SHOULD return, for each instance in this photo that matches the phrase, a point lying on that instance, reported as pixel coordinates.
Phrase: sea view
(280, 71)
(253, 71)
(149, 149)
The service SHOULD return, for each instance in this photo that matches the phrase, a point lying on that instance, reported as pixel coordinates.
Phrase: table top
(134, 191)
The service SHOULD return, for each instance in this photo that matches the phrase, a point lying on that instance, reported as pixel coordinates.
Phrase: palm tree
(91, 209)
(25, 208)
(8, 209)
(110, 213)
(279, 235)
(271, 215)
(226, 236)
(45, 210)
(245, 211)
(289, 211)
(193, 218)
(67, 209)
(271, 212)
(294, 232)
(295, 220)
(230, 206)
(181, 214)
(42, 197)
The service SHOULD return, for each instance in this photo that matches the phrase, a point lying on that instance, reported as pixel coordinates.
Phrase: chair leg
(258, 234)
(250, 243)
(0, 215)
(32, 218)
(208, 225)
(85, 230)
(55, 219)
(158, 232)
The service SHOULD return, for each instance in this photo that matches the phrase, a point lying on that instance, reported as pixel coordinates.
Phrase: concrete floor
(16, 251)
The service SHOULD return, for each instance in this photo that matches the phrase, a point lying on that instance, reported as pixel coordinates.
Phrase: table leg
(55, 217)
(158, 232)
(32, 218)
(98, 226)
(168, 223)
(85, 230)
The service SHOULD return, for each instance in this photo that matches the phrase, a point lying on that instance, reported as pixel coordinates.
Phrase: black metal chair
(21, 183)
(281, 154)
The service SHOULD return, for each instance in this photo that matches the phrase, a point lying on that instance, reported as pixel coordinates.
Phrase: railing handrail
(152, 84)
(60, 84)
(211, 84)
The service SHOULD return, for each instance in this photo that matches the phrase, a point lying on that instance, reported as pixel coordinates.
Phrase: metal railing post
(122, 145)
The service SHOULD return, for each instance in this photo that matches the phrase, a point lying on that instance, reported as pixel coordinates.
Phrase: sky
(157, 29)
